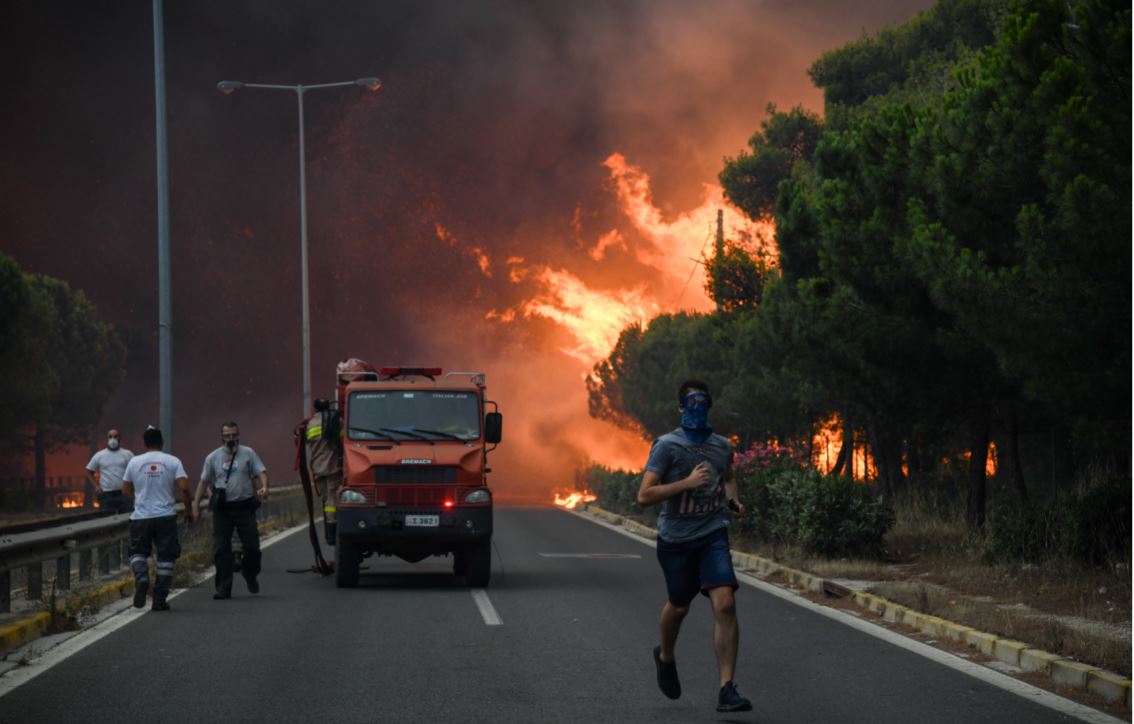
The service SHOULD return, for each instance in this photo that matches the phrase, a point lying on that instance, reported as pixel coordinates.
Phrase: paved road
(411, 644)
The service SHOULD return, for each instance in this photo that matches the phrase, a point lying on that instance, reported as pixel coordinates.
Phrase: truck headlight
(478, 496)
(351, 496)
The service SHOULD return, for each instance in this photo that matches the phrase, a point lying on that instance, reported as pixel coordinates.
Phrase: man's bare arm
(128, 490)
(653, 491)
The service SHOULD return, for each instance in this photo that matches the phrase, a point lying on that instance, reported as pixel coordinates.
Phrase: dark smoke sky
(431, 203)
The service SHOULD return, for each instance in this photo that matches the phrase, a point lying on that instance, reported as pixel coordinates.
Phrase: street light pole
(165, 304)
(228, 87)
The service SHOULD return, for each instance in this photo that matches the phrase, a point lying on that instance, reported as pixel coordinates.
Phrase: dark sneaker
(140, 591)
(253, 585)
(221, 595)
(160, 604)
(731, 700)
(668, 682)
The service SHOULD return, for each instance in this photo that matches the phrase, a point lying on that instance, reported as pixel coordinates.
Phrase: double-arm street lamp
(228, 87)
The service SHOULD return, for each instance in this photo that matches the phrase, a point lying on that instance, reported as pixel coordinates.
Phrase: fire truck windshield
(419, 414)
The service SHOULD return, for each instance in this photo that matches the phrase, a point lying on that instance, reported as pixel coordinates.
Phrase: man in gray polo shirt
(239, 482)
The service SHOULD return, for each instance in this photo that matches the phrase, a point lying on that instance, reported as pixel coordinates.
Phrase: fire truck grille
(415, 474)
(425, 496)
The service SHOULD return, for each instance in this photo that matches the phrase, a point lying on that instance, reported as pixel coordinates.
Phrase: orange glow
(573, 498)
(991, 463)
(825, 447)
(69, 502)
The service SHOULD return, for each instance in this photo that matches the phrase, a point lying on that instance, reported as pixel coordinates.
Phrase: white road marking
(487, 612)
(590, 555)
(971, 668)
(127, 613)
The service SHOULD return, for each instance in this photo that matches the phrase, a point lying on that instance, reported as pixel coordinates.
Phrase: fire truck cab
(415, 448)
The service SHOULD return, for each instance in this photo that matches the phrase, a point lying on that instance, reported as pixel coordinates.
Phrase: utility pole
(718, 248)
(165, 321)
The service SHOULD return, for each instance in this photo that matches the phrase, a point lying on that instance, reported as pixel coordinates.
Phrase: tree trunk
(40, 445)
(1015, 467)
(978, 480)
(845, 461)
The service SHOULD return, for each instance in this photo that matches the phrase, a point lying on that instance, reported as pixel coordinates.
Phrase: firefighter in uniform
(325, 457)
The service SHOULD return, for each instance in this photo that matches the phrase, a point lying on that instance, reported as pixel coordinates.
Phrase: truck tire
(460, 563)
(478, 564)
(347, 561)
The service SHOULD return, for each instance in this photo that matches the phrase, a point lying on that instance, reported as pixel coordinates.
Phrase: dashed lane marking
(487, 611)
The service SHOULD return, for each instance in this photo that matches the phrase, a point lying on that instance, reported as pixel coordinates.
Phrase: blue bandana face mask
(695, 417)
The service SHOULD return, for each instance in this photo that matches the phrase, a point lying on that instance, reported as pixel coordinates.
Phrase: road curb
(26, 630)
(1067, 672)
(33, 627)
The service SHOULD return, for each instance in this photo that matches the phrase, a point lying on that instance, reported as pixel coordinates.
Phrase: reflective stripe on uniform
(314, 431)
(329, 509)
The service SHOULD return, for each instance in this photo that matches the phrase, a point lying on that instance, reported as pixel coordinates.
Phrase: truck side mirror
(493, 427)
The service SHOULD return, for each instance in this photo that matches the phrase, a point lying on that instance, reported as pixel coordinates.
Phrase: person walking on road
(110, 465)
(325, 457)
(239, 482)
(152, 481)
(689, 472)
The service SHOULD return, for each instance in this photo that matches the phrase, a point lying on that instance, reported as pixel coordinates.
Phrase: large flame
(573, 498)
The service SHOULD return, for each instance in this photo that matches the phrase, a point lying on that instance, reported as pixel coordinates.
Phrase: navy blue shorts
(696, 565)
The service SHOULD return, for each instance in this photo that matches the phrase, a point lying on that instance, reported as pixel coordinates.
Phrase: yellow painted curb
(1037, 660)
(1111, 687)
(1070, 673)
(20, 632)
(35, 625)
(1009, 651)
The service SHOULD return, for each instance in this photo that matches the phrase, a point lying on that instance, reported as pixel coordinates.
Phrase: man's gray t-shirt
(701, 511)
(239, 484)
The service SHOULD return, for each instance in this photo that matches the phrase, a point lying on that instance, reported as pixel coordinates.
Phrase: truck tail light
(448, 503)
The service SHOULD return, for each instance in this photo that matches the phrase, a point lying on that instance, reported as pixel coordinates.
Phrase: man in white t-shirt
(110, 465)
(152, 480)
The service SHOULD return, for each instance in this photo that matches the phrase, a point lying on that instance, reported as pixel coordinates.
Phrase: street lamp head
(228, 87)
(370, 83)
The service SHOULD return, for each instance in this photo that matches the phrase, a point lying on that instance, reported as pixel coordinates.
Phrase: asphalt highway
(563, 633)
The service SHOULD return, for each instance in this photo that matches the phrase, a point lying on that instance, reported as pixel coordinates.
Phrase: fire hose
(321, 566)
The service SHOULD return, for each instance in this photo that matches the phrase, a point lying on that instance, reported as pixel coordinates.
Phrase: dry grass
(933, 565)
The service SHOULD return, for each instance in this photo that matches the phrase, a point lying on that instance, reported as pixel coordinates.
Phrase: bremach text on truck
(415, 448)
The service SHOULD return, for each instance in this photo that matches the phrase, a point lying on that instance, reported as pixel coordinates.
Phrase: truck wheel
(478, 564)
(347, 561)
(460, 563)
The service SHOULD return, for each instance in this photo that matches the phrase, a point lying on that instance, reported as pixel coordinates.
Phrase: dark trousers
(159, 535)
(241, 517)
(113, 502)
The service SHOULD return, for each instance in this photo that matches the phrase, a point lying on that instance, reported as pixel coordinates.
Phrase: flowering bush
(766, 455)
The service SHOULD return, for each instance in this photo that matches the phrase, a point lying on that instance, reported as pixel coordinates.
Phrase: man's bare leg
(670, 625)
(726, 631)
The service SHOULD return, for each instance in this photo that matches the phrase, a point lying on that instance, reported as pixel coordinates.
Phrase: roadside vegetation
(927, 370)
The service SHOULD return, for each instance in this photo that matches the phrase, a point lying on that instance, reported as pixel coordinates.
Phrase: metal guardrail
(102, 540)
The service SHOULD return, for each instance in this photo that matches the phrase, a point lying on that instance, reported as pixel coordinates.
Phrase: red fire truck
(415, 452)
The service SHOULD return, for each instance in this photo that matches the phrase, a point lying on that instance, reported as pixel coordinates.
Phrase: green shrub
(1090, 524)
(824, 515)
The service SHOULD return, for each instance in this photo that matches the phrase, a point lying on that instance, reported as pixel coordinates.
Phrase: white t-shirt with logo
(110, 466)
(154, 475)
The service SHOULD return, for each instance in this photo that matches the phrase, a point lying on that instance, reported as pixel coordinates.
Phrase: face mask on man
(112, 443)
(695, 417)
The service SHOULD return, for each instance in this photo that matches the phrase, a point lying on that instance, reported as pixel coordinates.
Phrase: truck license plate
(422, 521)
